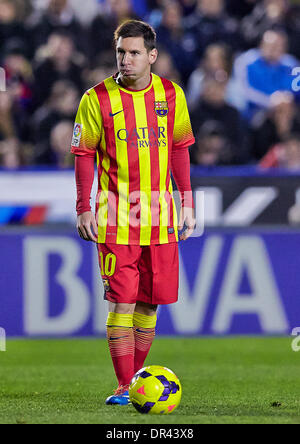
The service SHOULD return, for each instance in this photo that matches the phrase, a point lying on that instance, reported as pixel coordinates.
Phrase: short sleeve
(183, 133)
(88, 126)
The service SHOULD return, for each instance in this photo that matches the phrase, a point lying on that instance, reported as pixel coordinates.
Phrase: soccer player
(137, 125)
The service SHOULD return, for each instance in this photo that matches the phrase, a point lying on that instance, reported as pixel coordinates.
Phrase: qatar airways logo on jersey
(144, 137)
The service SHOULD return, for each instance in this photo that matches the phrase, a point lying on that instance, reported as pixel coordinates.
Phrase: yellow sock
(144, 321)
(119, 320)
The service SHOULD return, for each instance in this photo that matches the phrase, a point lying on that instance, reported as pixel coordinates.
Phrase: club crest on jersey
(161, 108)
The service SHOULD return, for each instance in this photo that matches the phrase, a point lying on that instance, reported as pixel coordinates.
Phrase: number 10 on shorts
(107, 264)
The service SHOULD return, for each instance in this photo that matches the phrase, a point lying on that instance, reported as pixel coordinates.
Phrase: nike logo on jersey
(113, 115)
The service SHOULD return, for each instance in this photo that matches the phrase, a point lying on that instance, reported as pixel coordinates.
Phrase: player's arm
(181, 173)
(180, 163)
(84, 174)
(87, 134)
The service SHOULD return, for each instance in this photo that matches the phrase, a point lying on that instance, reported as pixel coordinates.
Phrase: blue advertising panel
(231, 282)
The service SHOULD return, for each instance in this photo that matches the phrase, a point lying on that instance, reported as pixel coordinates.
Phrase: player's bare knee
(121, 308)
(146, 309)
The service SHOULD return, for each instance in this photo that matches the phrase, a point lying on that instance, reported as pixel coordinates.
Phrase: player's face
(133, 59)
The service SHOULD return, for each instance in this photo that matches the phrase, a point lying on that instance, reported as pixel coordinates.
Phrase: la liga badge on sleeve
(77, 135)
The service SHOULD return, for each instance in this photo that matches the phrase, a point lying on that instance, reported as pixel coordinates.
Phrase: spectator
(9, 153)
(171, 36)
(261, 72)
(103, 26)
(58, 15)
(7, 129)
(155, 15)
(12, 30)
(273, 14)
(101, 68)
(210, 24)
(164, 67)
(9, 145)
(265, 15)
(19, 81)
(57, 61)
(217, 62)
(213, 107)
(60, 140)
(61, 106)
(211, 148)
(284, 155)
(277, 124)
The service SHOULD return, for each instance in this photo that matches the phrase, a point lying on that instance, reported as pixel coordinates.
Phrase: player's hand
(87, 227)
(187, 217)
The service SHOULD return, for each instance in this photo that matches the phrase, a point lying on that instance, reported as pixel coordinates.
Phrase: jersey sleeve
(88, 126)
(183, 133)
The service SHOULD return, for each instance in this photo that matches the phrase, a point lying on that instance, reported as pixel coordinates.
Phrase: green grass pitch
(225, 380)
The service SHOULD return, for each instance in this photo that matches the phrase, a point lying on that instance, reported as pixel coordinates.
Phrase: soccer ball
(155, 390)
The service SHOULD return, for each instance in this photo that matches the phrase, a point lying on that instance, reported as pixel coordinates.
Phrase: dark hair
(137, 28)
(279, 30)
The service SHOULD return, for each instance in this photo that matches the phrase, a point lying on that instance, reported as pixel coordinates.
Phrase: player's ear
(153, 54)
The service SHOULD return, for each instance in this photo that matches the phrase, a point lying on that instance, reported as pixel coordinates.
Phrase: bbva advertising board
(231, 282)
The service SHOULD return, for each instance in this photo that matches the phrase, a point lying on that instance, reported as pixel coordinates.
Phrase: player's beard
(131, 77)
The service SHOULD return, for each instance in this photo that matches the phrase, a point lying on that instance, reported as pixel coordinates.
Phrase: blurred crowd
(237, 60)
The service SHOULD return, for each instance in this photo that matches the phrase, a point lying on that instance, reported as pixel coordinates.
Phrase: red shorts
(132, 273)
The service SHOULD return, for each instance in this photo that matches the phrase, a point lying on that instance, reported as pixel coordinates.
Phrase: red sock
(144, 333)
(121, 345)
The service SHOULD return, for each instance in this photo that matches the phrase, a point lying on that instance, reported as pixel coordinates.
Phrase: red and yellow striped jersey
(133, 134)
